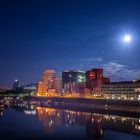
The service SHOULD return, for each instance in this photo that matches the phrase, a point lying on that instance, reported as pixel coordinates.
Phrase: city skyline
(66, 35)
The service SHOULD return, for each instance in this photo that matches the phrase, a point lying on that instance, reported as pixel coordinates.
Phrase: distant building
(71, 78)
(47, 83)
(30, 88)
(122, 90)
(95, 80)
(81, 89)
(16, 84)
(58, 85)
(48, 79)
(39, 89)
(3, 89)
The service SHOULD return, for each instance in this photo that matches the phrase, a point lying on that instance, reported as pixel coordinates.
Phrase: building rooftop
(124, 82)
(74, 71)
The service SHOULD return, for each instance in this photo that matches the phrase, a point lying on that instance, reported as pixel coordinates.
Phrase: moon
(127, 38)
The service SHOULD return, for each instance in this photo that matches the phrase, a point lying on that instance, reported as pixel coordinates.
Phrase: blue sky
(68, 34)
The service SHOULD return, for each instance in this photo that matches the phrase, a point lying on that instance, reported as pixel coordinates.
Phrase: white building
(122, 90)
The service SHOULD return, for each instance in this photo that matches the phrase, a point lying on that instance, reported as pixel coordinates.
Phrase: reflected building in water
(94, 124)
(50, 118)
(94, 129)
(1, 112)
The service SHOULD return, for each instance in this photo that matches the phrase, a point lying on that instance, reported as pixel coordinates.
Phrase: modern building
(81, 89)
(122, 90)
(16, 84)
(47, 83)
(95, 80)
(39, 90)
(58, 85)
(70, 79)
(30, 88)
(48, 79)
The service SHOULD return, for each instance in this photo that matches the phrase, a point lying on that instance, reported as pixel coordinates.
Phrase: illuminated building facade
(81, 89)
(47, 83)
(40, 89)
(95, 80)
(58, 85)
(122, 90)
(30, 88)
(71, 79)
(48, 79)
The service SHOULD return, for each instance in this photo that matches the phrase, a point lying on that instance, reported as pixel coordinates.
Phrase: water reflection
(94, 129)
(1, 112)
(82, 124)
(50, 118)
(53, 118)
(94, 124)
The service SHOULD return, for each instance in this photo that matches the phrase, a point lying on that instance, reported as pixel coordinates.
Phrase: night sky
(69, 34)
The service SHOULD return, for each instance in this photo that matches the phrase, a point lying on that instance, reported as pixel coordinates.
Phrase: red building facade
(95, 80)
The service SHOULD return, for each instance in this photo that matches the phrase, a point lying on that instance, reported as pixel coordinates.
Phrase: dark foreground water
(24, 122)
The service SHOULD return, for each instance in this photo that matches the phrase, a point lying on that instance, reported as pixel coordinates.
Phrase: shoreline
(89, 105)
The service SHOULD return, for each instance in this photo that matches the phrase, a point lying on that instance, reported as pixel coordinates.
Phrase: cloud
(93, 59)
(120, 72)
(112, 69)
(89, 63)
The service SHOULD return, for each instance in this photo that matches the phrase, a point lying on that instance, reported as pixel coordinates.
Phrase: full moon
(127, 38)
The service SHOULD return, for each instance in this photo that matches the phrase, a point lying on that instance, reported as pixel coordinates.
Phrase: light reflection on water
(95, 124)
(48, 123)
